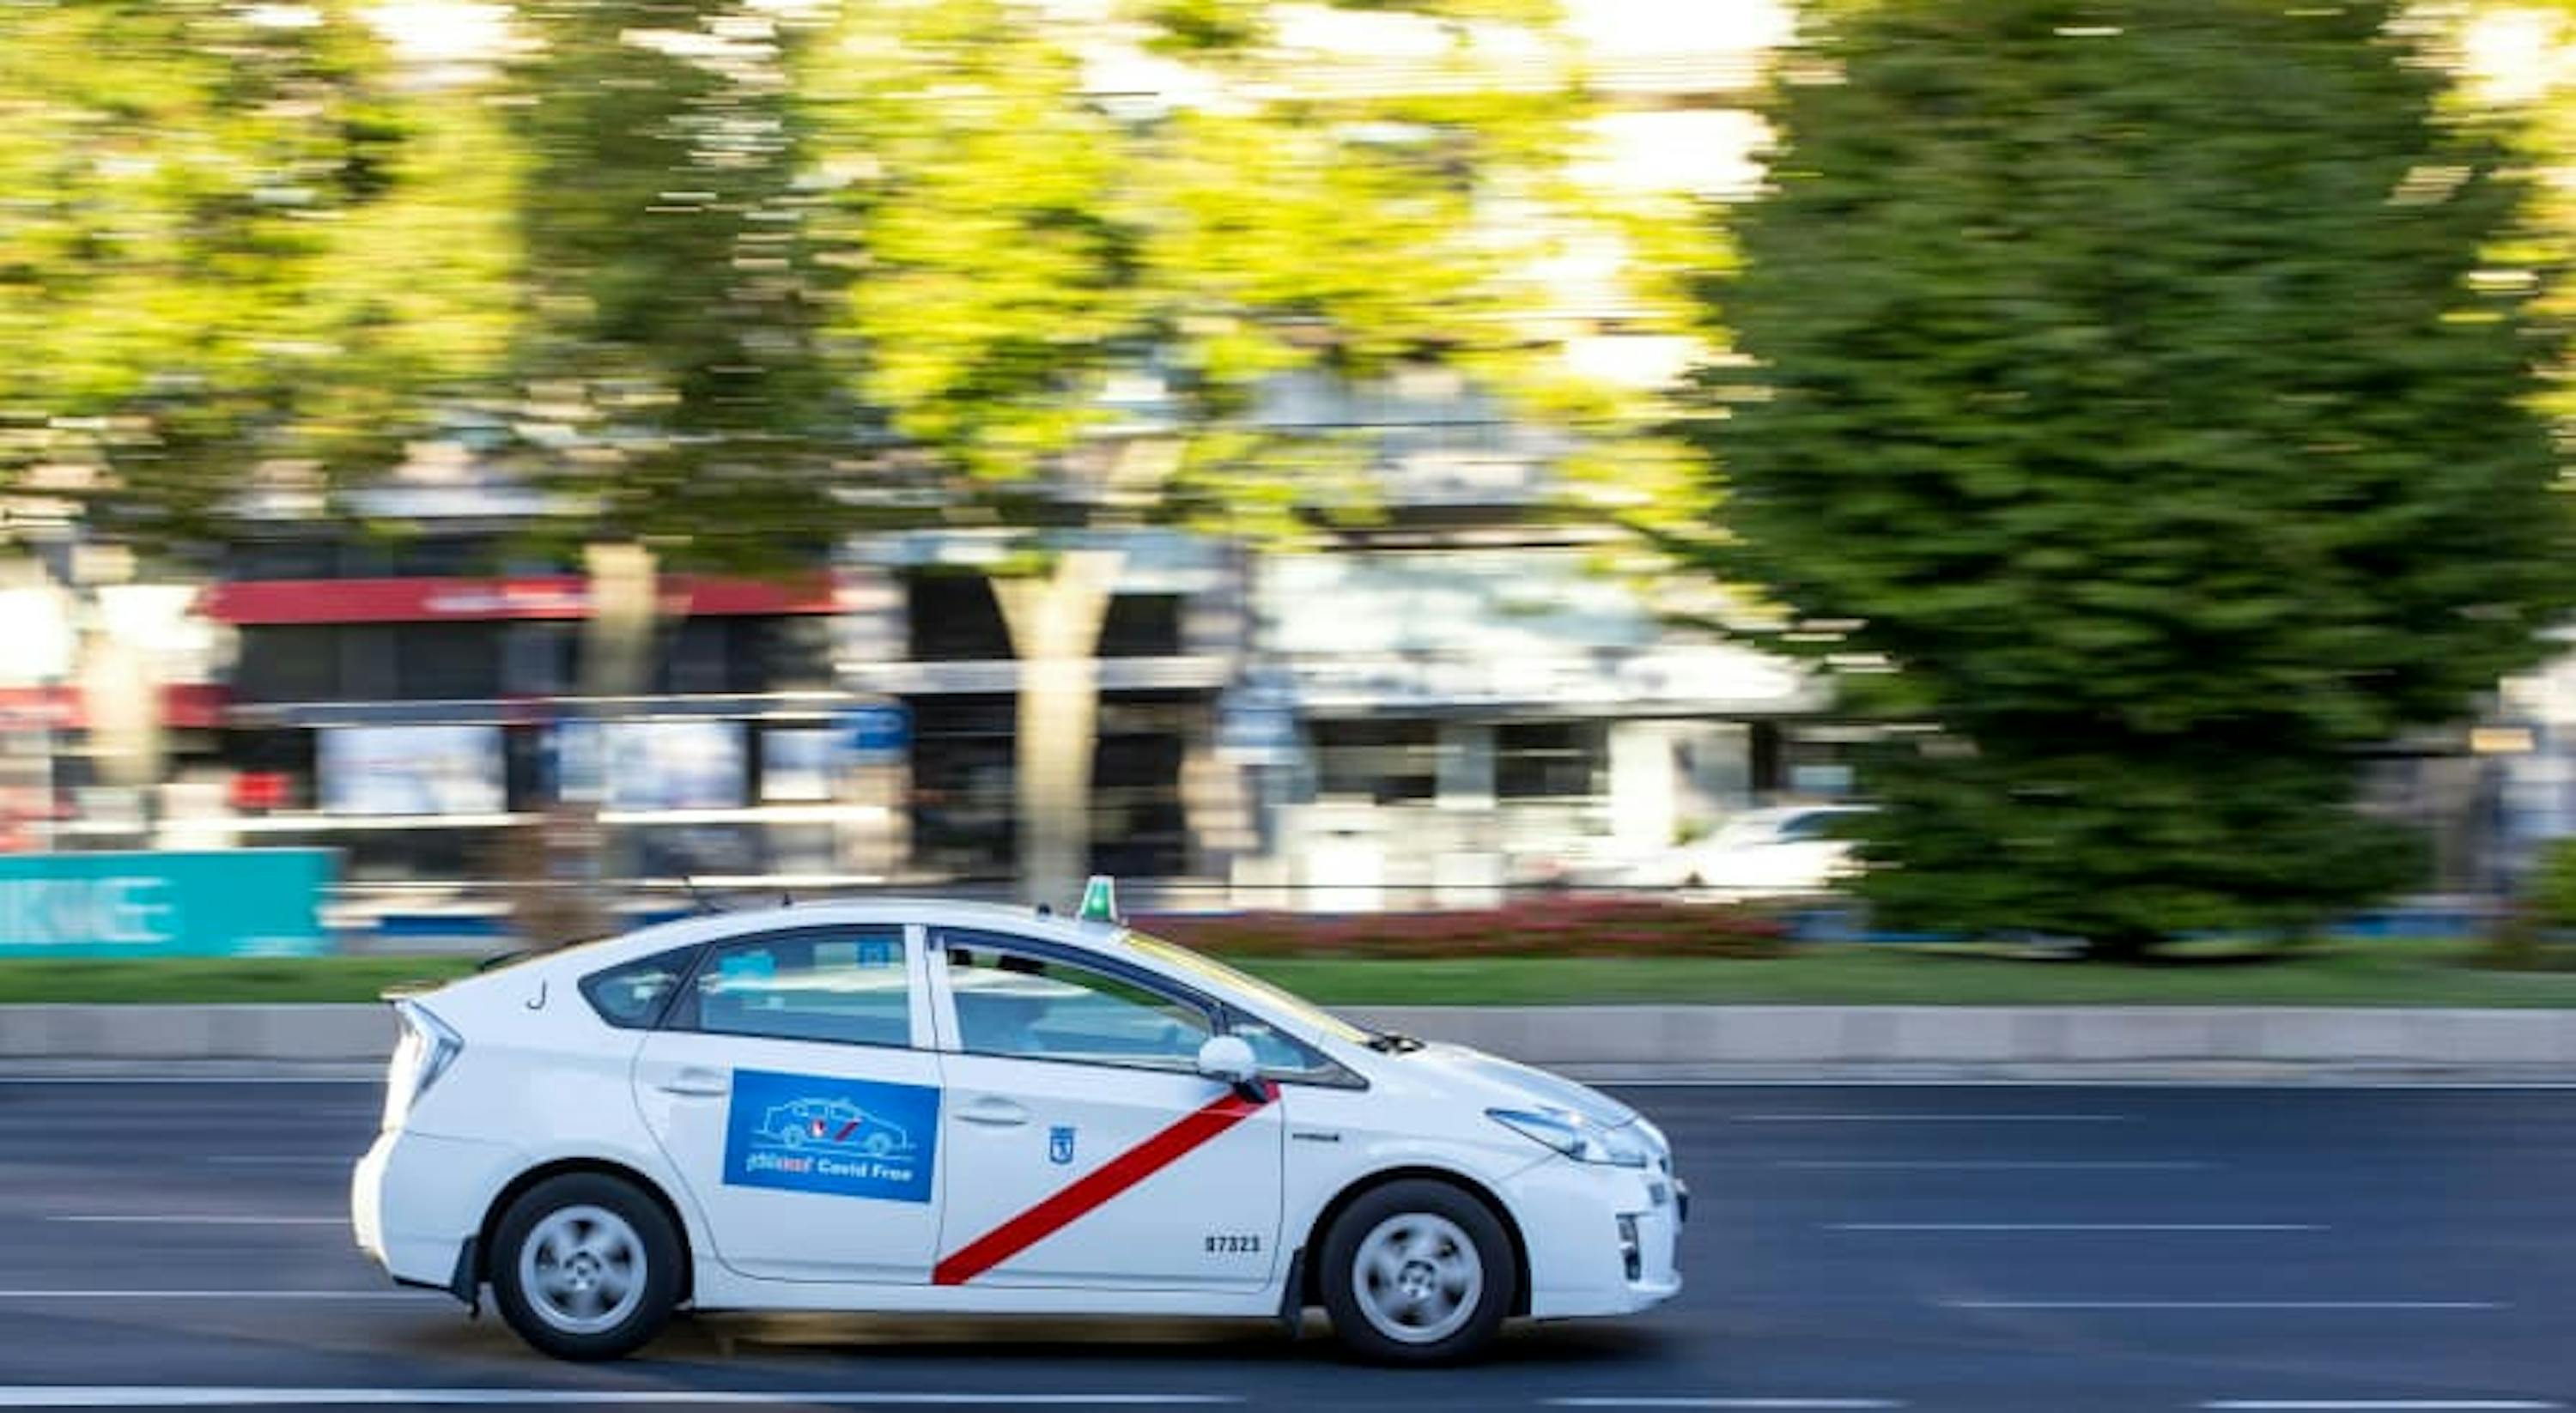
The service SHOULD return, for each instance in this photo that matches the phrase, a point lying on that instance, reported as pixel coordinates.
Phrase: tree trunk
(562, 877)
(617, 646)
(1055, 623)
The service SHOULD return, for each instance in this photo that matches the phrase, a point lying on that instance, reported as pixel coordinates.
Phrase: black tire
(653, 1274)
(1430, 1203)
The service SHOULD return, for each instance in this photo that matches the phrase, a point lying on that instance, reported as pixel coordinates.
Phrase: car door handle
(696, 1084)
(993, 1113)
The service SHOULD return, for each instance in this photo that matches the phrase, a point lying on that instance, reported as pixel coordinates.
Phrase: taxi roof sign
(1100, 899)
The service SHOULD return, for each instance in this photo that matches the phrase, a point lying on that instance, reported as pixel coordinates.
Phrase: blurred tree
(1079, 306)
(671, 385)
(670, 375)
(236, 254)
(229, 248)
(2133, 378)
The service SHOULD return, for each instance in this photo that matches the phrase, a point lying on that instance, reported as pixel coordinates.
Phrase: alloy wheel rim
(583, 1269)
(1418, 1277)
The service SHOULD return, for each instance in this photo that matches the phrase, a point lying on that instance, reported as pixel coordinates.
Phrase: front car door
(786, 1088)
(1083, 1145)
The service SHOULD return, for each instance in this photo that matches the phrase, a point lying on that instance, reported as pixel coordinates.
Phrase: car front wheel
(1417, 1272)
(585, 1266)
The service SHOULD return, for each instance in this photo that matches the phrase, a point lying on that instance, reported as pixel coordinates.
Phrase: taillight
(427, 1047)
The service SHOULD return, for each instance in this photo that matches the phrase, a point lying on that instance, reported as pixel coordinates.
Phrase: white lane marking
(1995, 1165)
(25, 1293)
(207, 1220)
(2323, 1081)
(2386, 1405)
(262, 1160)
(376, 1079)
(2499, 1086)
(151, 1396)
(1650, 1401)
(1792, 1117)
(2227, 1304)
(2075, 1226)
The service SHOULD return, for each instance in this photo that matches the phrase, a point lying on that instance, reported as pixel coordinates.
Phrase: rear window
(633, 996)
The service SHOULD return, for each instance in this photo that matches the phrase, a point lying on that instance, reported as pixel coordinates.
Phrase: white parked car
(1783, 851)
(891, 1106)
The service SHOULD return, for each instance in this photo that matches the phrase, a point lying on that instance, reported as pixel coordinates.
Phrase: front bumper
(1602, 1241)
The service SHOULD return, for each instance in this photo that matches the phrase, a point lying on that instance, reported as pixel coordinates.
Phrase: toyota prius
(895, 1106)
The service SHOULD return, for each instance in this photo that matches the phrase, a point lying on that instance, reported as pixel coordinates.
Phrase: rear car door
(1085, 1147)
(786, 1088)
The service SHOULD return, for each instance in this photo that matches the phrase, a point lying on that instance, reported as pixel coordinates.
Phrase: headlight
(1658, 1147)
(1574, 1136)
(428, 1046)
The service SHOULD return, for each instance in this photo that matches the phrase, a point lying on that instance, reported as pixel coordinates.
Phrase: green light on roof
(1100, 899)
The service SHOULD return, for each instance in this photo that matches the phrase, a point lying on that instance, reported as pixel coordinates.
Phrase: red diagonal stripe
(1096, 1187)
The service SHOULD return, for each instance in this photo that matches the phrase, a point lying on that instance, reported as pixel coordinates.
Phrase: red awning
(553, 596)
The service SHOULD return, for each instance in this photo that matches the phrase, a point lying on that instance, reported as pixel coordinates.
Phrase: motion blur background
(1274, 453)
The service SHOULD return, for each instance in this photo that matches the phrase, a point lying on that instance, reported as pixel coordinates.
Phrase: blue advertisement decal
(845, 1137)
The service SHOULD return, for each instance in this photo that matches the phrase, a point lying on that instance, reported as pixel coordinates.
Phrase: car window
(1816, 824)
(1288, 1003)
(1020, 1002)
(632, 996)
(845, 985)
(1285, 1057)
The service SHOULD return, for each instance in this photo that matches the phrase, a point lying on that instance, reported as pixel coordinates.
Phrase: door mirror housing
(1229, 1058)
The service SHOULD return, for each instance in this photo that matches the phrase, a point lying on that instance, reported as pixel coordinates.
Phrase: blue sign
(1060, 1145)
(875, 733)
(220, 903)
(845, 1137)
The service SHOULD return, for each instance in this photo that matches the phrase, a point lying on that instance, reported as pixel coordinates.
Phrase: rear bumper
(417, 1203)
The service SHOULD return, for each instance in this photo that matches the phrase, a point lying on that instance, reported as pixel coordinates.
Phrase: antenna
(705, 904)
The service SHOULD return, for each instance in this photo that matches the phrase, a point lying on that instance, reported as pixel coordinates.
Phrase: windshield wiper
(1388, 1042)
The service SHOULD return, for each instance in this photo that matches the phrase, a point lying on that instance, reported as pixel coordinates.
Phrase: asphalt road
(1988, 1248)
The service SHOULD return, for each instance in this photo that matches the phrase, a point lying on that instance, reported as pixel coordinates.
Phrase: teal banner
(236, 903)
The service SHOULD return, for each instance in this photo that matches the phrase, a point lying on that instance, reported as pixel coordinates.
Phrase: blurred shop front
(415, 723)
(928, 632)
(1466, 720)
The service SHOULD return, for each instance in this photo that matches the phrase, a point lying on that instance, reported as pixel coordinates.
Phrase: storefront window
(1387, 761)
(953, 618)
(1549, 760)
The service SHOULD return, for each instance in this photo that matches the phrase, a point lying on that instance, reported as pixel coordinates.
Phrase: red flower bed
(1541, 927)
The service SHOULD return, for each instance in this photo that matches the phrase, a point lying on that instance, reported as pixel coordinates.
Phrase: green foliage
(2553, 885)
(1032, 250)
(221, 246)
(2123, 381)
(672, 373)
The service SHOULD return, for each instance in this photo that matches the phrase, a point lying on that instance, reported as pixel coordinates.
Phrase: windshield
(1287, 1004)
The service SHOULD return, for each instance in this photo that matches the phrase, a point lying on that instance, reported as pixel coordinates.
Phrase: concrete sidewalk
(2253, 1044)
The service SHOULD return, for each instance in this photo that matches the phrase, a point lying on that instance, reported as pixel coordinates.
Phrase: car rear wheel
(585, 1266)
(1417, 1272)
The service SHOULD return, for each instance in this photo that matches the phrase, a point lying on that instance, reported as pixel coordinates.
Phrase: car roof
(698, 928)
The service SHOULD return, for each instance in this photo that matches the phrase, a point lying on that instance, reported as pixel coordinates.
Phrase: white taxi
(944, 1107)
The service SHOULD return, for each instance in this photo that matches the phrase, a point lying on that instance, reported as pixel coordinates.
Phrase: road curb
(1607, 1041)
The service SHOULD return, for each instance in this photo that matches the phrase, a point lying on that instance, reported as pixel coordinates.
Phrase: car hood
(1510, 1082)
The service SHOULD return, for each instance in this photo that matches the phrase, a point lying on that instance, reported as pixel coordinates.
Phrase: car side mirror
(1229, 1058)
